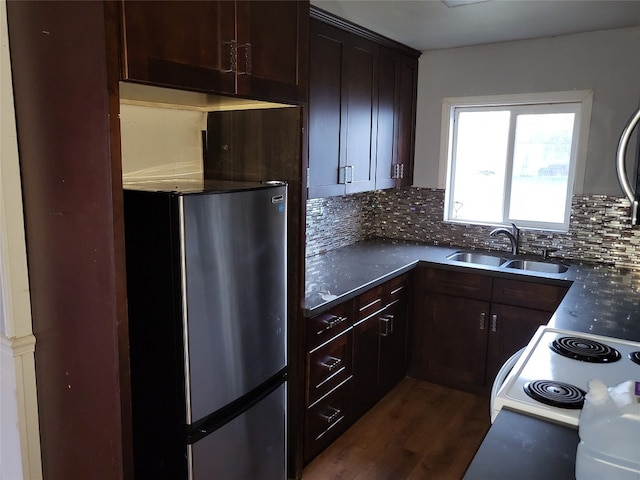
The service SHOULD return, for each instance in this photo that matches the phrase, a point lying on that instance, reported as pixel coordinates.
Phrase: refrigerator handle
(621, 169)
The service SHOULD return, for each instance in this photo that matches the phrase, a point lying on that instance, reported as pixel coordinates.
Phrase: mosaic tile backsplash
(600, 230)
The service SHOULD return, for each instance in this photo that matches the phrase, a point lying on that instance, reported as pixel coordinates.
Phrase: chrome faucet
(512, 234)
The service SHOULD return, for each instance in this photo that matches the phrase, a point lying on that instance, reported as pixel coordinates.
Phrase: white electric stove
(551, 375)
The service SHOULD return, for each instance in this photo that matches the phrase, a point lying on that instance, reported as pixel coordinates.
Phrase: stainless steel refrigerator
(206, 285)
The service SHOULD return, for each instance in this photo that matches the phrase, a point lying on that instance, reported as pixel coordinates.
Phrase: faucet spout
(512, 234)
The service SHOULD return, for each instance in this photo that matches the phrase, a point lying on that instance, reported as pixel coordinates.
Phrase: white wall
(19, 431)
(606, 62)
(161, 142)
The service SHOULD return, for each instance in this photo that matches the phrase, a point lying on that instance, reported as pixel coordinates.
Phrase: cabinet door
(455, 340)
(184, 44)
(325, 97)
(255, 49)
(359, 114)
(510, 328)
(406, 108)
(271, 41)
(342, 111)
(393, 326)
(365, 364)
(397, 87)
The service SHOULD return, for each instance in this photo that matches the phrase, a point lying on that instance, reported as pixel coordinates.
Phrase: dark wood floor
(418, 431)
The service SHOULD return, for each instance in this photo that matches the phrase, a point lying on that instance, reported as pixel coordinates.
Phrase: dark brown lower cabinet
(380, 342)
(510, 328)
(393, 347)
(357, 353)
(394, 331)
(329, 394)
(456, 339)
(365, 364)
(466, 325)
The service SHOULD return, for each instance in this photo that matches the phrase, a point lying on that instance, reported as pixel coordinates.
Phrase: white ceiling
(429, 24)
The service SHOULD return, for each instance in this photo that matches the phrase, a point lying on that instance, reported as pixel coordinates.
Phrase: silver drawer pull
(483, 316)
(396, 290)
(331, 414)
(494, 323)
(386, 325)
(330, 322)
(331, 363)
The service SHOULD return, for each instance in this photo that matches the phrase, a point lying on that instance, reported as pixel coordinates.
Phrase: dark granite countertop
(601, 300)
(525, 448)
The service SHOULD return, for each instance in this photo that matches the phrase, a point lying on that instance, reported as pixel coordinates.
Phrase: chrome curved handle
(386, 321)
(621, 168)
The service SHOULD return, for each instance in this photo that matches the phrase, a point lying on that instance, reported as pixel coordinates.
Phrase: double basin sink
(497, 260)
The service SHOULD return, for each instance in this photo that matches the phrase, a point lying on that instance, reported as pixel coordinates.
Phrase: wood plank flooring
(418, 431)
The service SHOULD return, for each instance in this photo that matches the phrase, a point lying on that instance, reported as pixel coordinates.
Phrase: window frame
(581, 102)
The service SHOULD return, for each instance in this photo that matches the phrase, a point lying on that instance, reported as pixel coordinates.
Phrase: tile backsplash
(600, 229)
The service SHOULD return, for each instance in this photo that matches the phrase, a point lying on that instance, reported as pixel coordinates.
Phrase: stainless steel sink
(536, 266)
(478, 258)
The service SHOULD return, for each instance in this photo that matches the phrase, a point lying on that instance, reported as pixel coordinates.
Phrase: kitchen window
(515, 160)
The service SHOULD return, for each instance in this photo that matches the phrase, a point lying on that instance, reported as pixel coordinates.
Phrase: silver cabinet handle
(331, 322)
(247, 58)
(352, 170)
(397, 171)
(494, 323)
(483, 316)
(344, 177)
(386, 325)
(331, 363)
(233, 56)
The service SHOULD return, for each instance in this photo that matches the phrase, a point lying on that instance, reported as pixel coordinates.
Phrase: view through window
(513, 164)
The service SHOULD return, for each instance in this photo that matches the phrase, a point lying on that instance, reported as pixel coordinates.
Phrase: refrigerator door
(252, 446)
(234, 274)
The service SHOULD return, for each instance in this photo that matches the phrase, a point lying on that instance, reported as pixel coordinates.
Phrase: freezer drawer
(251, 446)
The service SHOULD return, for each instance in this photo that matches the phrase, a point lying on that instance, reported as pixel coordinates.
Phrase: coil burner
(585, 350)
(555, 394)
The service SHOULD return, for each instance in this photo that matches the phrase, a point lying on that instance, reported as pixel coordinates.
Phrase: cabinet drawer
(329, 324)
(326, 420)
(369, 302)
(527, 294)
(396, 288)
(329, 365)
(462, 284)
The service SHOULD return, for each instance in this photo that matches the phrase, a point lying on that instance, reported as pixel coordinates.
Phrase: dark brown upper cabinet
(362, 97)
(255, 49)
(342, 111)
(397, 93)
